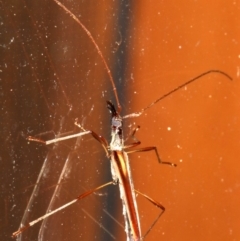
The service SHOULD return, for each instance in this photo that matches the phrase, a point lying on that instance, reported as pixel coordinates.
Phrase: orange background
(52, 74)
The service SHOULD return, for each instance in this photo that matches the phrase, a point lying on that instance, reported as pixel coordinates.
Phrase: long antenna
(97, 48)
(176, 89)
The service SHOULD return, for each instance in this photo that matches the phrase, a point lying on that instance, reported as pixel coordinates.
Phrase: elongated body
(121, 174)
(120, 165)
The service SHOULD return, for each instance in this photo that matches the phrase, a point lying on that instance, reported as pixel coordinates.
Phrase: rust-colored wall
(50, 65)
(174, 42)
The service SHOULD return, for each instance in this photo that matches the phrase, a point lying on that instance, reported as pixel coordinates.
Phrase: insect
(116, 145)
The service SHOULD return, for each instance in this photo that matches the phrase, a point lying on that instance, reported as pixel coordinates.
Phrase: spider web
(59, 77)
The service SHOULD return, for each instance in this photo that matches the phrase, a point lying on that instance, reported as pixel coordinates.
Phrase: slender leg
(83, 195)
(159, 205)
(152, 148)
(136, 141)
(100, 139)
